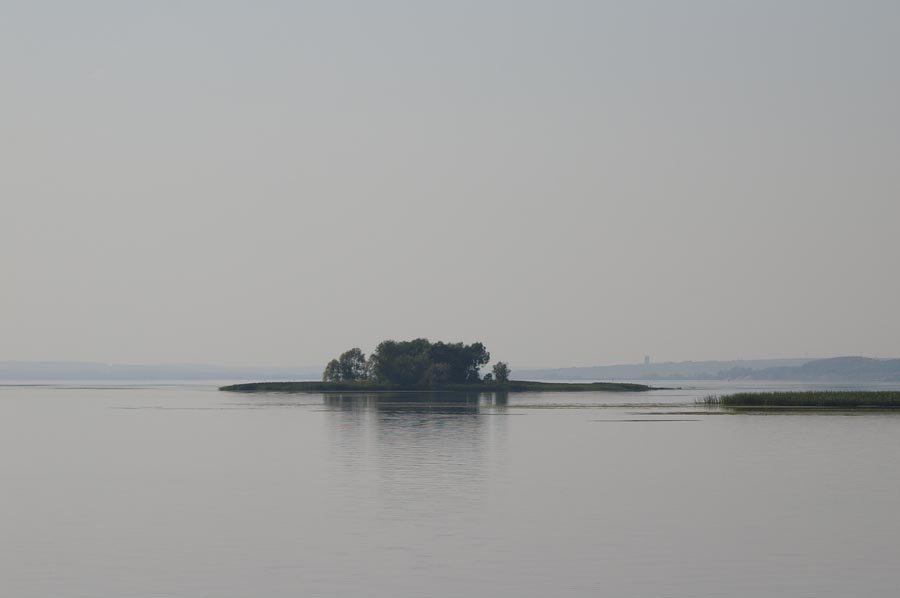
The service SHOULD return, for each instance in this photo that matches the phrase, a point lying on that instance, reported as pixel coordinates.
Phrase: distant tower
(646, 360)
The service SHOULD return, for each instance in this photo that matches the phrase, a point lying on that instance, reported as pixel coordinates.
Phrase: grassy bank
(887, 399)
(511, 386)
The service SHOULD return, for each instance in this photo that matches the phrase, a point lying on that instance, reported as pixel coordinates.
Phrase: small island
(420, 365)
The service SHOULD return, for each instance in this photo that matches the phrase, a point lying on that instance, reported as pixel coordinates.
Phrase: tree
(370, 367)
(437, 375)
(349, 367)
(476, 356)
(421, 363)
(415, 363)
(352, 365)
(402, 363)
(501, 372)
(332, 372)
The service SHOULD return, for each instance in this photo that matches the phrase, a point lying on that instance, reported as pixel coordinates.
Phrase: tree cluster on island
(417, 363)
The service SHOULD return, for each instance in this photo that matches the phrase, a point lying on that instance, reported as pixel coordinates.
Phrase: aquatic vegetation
(842, 399)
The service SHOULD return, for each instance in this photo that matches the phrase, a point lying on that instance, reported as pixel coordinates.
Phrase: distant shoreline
(511, 386)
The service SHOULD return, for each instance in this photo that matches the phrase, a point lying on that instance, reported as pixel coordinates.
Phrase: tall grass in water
(846, 399)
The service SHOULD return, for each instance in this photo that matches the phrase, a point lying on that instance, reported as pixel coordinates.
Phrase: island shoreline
(511, 386)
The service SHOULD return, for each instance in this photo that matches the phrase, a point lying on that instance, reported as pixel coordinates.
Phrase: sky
(569, 182)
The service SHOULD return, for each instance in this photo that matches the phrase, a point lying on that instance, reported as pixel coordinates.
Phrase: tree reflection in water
(424, 450)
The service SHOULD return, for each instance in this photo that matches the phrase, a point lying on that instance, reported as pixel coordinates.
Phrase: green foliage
(353, 365)
(416, 363)
(463, 362)
(402, 363)
(332, 371)
(349, 367)
(437, 375)
(432, 365)
(501, 372)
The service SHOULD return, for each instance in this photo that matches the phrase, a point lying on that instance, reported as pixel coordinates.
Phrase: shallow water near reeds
(185, 491)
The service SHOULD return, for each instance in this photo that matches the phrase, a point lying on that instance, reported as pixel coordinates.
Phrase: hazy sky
(569, 182)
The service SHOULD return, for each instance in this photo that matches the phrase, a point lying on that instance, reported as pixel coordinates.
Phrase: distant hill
(19, 371)
(671, 370)
(835, 369)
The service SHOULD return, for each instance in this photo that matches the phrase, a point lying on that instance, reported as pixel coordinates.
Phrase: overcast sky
(569, 182)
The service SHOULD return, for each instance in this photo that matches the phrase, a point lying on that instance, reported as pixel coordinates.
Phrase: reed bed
(850, 399)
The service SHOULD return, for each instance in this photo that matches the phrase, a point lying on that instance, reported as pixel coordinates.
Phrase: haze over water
(186, 491)
(569, 182)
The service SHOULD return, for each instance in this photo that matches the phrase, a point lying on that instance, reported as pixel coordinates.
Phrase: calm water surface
(189, 492)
